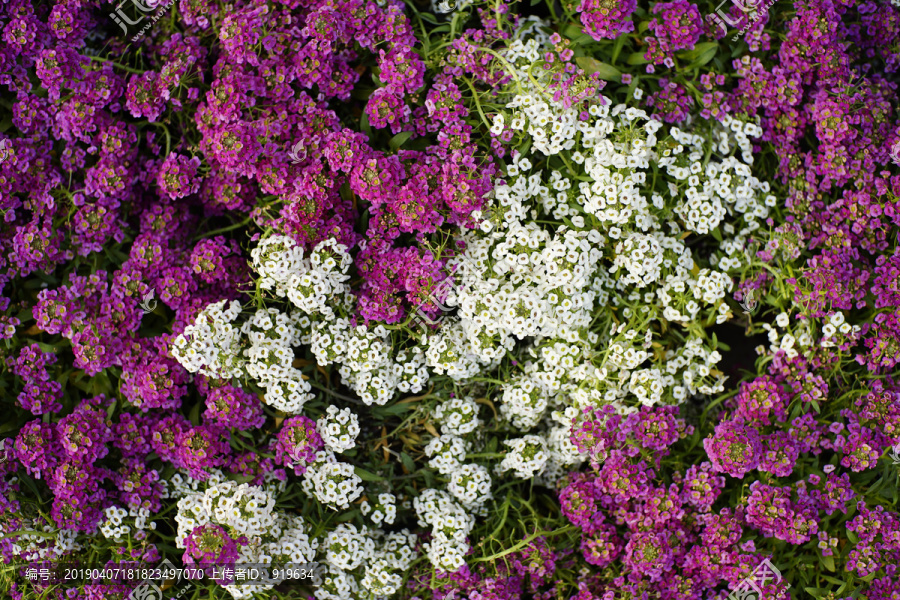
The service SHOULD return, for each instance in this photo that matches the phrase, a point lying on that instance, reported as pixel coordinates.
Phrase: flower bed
(581, 301)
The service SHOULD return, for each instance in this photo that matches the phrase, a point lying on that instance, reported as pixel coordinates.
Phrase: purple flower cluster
(40, 394)
(607, 19)
(211, 545)
(663, 535)
(297, 443)
(599, 431)
(677, 26)
(65, 456)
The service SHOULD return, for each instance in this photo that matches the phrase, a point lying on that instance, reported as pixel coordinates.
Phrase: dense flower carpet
(450, 299)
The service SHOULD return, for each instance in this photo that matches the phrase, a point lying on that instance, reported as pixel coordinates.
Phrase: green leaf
(828, 562)
(572, 31)
(398, 140)
(617, 49)
(364, 124)
(195, 414)
(408, 462)
(643, 26)
(366, 476)
(701, 54)
(428, 17)
(695, 52)
(347, 516)
(606, 71)
(524, 149)
(636, 58)
(111, 409)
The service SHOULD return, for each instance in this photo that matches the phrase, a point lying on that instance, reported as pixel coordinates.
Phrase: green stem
(477, 103)
(117, 65)
(525, 542)
(224, 229)
(510, 69)
(46, 534)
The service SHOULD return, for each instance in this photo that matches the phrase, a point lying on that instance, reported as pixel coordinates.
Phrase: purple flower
(177, 176)
(297, 443)
(734, 448)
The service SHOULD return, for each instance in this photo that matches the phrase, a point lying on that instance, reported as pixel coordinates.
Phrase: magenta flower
(297, 443)
(734, 448)
(177, 176)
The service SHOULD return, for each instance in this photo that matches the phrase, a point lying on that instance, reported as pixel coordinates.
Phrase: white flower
(527, 456)
(457, 416)
(338, 428)
(336, 484)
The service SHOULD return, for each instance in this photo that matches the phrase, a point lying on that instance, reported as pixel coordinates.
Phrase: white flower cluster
(527, 456)
(523, 403)
(33, 546)
(272, 336)
(835, 331)
(261, 348)
(384, 575)
(316, 286)
(114, 526)
(245, 508)
(346, 548)
(383, 511)
(331, 482)
(364, 564)
(522, 282)
(450, 525)
(273, 537)
(449, 352)
(457, 416)
(366, 361)
(448, 452)
(338, 428)
(212, 345)
(288, 543)
(648, 187)
(471, 485)
(310, 284)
